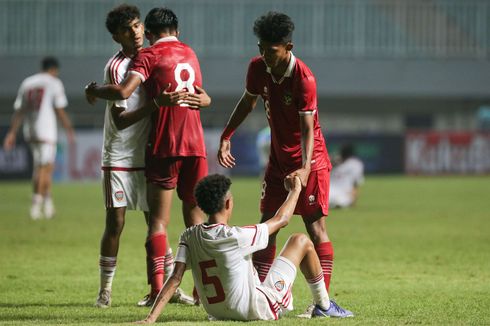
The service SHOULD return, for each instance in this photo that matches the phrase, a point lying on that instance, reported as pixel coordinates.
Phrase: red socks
(263, 260)
(155, 258)
(325, 253)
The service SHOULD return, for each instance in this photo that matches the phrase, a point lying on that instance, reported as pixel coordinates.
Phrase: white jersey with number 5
(220, 257)
(39, 95)
(124, 148)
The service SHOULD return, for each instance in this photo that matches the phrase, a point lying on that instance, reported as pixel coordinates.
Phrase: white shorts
(124, 189)
(274, 295)
(43, 153)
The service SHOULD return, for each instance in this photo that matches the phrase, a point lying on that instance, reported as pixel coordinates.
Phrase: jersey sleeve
(19, 100)
(182, 252)
(253, 80)
(60, 100)
(307, 102)
(252, 238)
(142, 65)
(109, 79)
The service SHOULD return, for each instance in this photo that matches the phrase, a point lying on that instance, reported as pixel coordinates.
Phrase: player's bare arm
(113, 92)
(307, 143)
(65, 121)
(17, 118)
(284, 213)
(165, 294)
(123, 118)
(242, 110)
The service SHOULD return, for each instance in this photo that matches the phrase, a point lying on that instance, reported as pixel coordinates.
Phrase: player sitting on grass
(220, 257)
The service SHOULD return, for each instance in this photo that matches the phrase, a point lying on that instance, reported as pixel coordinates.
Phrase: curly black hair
(274, 27)
(160, 20)
(120, 16)
(210, 193)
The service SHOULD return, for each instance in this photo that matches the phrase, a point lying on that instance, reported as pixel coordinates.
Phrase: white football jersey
(343, 178)
(40, 95)
(220, 257)
(124, 148)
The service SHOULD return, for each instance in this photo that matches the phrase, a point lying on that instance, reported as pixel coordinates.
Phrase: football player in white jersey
(346, 178)
(126, 126)
(220, 257)
(40, 100)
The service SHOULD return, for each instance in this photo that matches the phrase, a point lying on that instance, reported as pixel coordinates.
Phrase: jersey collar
(167, 39)
(287, 73)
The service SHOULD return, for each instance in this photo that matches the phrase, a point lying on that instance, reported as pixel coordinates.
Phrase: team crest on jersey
(279, 285)
(311, 199)
(119, 195)
(287, 99)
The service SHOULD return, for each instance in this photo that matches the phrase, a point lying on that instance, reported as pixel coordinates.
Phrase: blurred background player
(40, 100)
(220, 259)
(346, 178)
(288, 89)
(125, 136)
(176, 154)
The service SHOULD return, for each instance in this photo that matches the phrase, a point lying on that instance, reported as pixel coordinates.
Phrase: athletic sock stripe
(315, 279)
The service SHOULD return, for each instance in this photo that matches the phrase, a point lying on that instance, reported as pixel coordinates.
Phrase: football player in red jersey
(288, 89)
(175, 155)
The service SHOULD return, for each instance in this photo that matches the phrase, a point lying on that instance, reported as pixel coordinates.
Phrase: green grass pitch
(413, 251)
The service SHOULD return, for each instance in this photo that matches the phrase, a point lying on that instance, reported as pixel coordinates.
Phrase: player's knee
(301, 240)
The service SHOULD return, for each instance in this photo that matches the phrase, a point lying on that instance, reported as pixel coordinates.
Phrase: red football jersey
(176, 130)
(285, 100)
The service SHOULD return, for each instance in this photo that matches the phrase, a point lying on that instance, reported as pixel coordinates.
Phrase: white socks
(107, 268)
(319, 292)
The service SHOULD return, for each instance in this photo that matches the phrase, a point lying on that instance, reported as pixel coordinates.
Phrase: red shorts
(312, 200)
(182, 172)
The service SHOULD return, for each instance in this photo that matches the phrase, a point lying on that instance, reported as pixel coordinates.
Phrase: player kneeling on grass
(220, 257)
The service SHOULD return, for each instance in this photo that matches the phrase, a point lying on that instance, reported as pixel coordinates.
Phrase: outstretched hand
(302, 174)
(225, 158)
(292, 183)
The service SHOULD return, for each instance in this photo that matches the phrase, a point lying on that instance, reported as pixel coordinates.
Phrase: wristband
(227, 133)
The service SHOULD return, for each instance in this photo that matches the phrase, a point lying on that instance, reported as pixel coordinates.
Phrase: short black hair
(49, 62)
(161, 20)
(120, 16)
(274, 27)
(210, 193)
(346, 151)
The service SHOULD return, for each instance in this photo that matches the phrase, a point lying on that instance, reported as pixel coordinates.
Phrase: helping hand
(225, 158)
(303, 175)
(292, 183)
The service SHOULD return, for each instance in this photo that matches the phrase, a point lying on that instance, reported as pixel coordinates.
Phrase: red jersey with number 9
(176, 130)
(285, 100)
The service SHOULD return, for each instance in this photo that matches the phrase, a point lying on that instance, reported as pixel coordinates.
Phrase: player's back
(176, 130)
(39, 95)
(347, 175)
(222, 269)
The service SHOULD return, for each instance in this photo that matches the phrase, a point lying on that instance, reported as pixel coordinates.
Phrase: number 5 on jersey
(212, 280)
